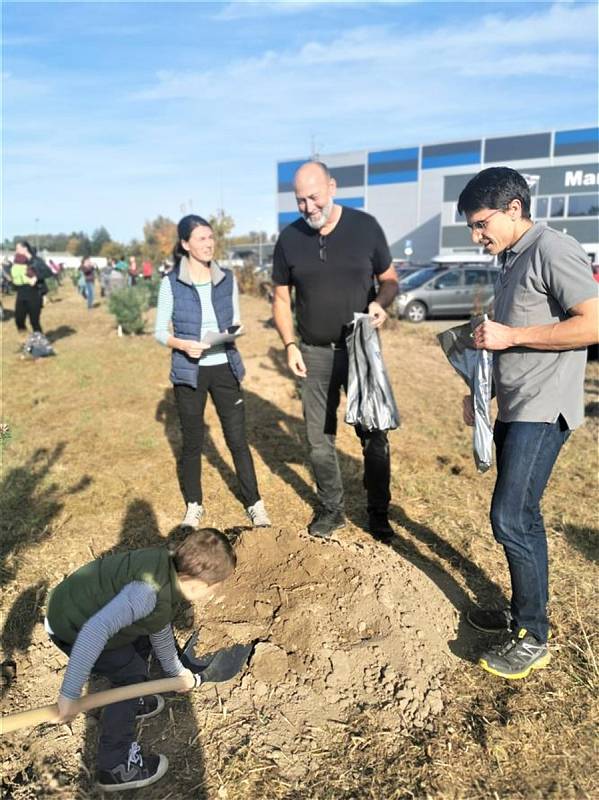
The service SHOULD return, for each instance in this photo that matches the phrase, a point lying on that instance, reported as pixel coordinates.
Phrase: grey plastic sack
(476, 367)
(370, 400)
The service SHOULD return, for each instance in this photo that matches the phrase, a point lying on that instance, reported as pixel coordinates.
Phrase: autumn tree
(222, 225)
(112, 250)
(160, 235)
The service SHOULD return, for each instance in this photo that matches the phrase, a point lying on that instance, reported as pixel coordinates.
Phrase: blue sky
(117, 112)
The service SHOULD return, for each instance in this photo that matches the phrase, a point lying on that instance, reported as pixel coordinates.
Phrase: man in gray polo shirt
(546, 313)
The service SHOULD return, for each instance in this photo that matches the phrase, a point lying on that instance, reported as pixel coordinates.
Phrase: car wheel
(416, 311)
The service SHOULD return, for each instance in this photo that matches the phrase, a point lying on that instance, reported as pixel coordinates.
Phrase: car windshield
(418, 278)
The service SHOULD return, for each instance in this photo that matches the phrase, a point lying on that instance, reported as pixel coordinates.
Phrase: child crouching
(108, 615)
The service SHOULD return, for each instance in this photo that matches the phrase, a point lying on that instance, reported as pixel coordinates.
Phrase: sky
(117, 112)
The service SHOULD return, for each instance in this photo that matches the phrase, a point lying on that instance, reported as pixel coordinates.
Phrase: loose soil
(361, 683)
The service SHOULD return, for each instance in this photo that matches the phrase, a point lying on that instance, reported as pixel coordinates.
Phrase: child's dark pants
(122, 666)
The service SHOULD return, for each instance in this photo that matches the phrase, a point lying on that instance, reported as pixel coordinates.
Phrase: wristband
(289, 344)
(198, 679)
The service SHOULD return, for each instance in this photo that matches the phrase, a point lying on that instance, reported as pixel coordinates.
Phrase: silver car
(434, 292)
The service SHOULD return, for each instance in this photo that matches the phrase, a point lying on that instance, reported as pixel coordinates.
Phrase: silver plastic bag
(370, 400)
(476, 368)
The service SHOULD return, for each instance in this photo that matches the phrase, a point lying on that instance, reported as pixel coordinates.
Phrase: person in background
(105, 273)
(132, 271)
(546, 310)
(121, 265)
(332, 256)
(88, 270)
(198, 297)
(28, 275)
(147, 270)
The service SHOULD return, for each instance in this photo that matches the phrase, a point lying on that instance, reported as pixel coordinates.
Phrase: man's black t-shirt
(329, 291)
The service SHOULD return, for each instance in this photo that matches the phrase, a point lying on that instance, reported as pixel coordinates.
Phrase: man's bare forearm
(573, 332)
(387, 293)
(283, 319)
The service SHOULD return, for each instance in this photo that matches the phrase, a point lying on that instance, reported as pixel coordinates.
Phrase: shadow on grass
(585, 540)
(140, 529)
(28, 504)
(17, 628)
(60, 333)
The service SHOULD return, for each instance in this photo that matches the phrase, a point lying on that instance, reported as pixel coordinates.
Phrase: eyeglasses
(322, 245)
(481, 224)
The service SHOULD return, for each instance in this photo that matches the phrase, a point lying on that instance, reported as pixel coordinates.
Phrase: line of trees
(159, 237)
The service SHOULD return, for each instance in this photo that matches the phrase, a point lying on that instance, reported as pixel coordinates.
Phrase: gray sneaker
(193, 516)
(517, 657)
(258, 516)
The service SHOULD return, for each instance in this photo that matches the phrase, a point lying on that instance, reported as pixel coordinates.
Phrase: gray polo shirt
(545, 274)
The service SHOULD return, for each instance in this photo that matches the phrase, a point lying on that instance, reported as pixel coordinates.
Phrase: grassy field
(88, 465)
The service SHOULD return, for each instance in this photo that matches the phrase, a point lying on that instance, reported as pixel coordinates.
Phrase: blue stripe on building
(384, 156)
(585, 135)
(378, 178)
(351, 202)
(402, 166)
(287, 169)
(451, 160)
(287, 217)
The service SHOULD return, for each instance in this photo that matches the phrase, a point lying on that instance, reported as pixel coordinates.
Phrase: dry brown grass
(89, 465)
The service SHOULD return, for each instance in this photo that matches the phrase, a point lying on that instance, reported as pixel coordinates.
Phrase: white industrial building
(413, 191)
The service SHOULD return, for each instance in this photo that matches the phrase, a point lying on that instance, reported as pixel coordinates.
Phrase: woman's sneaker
(193, 516)
(137, 772)
(258, 516)
(149, 706)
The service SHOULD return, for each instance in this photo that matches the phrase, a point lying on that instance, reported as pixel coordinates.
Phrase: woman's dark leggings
(219, 382)
(29, 302)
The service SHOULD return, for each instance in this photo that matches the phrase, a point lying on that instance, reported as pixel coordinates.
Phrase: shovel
(221, 665)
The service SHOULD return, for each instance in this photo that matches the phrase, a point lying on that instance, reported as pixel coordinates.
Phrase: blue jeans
(526, 453)
(89, 293)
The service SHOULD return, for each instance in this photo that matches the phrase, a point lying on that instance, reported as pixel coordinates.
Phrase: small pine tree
(128, 306)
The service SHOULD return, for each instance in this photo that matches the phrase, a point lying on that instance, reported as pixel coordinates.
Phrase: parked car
(445, 292)
(403, 272)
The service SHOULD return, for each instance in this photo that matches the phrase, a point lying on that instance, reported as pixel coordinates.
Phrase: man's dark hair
(205, 554)
(495, 187)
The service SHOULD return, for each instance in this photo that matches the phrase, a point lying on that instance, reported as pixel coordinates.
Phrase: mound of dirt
(343, 627)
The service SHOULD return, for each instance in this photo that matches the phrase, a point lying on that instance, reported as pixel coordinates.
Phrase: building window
(541, 206)
(558, 206)
(583, 205)
(457, 217)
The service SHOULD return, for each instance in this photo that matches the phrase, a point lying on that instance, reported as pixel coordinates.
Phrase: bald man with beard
(331, 256)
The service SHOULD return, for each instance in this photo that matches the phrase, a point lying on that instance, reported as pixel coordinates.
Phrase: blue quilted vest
(187, 320)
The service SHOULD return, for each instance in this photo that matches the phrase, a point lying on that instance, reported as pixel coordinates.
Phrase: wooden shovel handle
(35, 716)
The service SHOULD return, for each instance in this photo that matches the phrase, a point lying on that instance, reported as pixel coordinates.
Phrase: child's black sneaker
(149, 706)
(517, 657)
(139, 771)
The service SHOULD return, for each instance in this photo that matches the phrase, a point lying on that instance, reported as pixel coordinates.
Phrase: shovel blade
(222, 665)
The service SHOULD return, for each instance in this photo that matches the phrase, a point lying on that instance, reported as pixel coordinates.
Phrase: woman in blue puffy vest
(198, 297)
